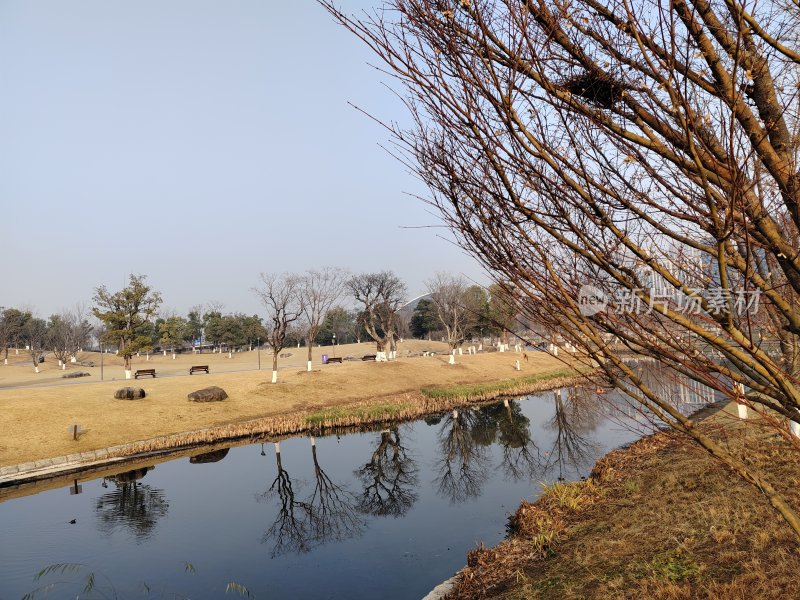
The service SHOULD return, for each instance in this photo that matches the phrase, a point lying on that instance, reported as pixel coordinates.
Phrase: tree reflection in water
(331, 507)
(389, 479)
(463, 466)
(133, 505)
(327, 514)
(577, 413)
(289, 530)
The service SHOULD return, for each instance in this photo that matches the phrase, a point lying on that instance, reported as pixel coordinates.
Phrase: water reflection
(464, 463)
(289, 530)
(577, 414)
(132, 505)
(209, 457)
(328, 514)
(389, 480)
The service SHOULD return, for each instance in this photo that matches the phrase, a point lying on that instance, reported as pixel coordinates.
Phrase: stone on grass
(75, 374)
(209, 394)
(129, 393)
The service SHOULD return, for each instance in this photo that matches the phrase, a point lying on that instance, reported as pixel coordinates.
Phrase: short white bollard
(517, 365)
(460, 352)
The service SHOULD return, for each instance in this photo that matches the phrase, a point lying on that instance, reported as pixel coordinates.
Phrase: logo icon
(591, 300)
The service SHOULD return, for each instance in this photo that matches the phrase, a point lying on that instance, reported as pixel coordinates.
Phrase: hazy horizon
(199, 144)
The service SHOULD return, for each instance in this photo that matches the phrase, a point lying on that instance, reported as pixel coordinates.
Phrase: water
(382, 514)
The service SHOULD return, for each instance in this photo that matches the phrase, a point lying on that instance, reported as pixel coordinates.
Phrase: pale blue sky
(199, 143)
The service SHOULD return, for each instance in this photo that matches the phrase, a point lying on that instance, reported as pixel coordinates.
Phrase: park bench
(334, 359)
(197, 369)
(369, 357)
(144, 372)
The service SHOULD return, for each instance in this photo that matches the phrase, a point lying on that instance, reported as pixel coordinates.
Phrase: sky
(199, 143)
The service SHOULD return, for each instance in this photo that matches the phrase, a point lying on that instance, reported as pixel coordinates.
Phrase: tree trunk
(275, 365)
(310, 349)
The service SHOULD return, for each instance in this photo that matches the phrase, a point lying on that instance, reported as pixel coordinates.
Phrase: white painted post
(73, 360)
(173, 356)
(230, 354)
(380, 357)
(308, 366)
(741, 408)
(128, 373)
(460, 352)
(165, 352)
(502, 347)
(59, 363)
(451, 359)
(480, 347)
(147, 357)
(63, 366)
(36, 369)
(274, 377)
(517, 366)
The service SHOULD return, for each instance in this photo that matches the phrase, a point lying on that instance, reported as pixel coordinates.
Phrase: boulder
(129, 393)
(209, 394)
(75, 374)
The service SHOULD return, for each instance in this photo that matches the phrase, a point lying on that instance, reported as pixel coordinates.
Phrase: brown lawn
(34, 419)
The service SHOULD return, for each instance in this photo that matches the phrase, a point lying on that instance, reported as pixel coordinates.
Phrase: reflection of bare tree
(463, 467)
(289, 530)
(132, 504)
(331, 508)
(576, 414)
(389, 478)
(521, 457)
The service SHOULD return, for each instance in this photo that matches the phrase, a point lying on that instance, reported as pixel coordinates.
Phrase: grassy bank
(661, 519)
(347, 394)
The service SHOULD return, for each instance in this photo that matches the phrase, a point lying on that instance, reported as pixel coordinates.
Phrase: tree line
(307, 308)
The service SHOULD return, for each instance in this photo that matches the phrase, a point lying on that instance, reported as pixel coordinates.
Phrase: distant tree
(232, 332)
(320, 290)
(449, 299)
(381, 295)
(213, 328)
(69, 332)
(36, 336)
(477, 301)
(125, 313)
(503, 310)
(356, 327)
(282, 297)
(423, 319)
(11, 323)
(252, 329)
(194, 324)
(173, 332)
(339, 321)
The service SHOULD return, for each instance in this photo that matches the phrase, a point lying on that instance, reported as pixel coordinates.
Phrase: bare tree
(36, 336)
(381, 294)
(281, 295)
(449, 298)
(69, 332)
(320, 290)
(631, 170)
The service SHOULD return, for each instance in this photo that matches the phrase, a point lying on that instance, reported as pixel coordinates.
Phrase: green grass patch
(478, 390)
(357, 414)
(672, 566)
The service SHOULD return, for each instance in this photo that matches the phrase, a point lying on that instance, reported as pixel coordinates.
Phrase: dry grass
(34, 420)
(661, 519)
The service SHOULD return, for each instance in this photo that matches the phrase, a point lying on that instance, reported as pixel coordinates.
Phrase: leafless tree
(69, 332)
(320, 290)
(381, 294)
(630, 169)
(281, 295)
(450, 300)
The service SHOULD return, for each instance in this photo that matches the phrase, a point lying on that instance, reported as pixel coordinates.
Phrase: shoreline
(372, 413)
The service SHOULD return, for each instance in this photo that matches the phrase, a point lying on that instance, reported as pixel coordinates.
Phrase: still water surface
(386, 514)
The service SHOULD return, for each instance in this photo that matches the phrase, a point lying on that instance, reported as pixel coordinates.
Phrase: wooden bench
(144, 372)
(197, 369)
(334, 359)
(369, 357)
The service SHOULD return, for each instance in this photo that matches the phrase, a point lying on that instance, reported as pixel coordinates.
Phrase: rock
(209, 394)
(75, 374)
(129, 393)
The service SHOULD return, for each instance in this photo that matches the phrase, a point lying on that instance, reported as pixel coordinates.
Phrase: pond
(386, 514)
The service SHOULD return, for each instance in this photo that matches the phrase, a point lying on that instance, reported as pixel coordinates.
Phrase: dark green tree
(424, 319)
(125, 314)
